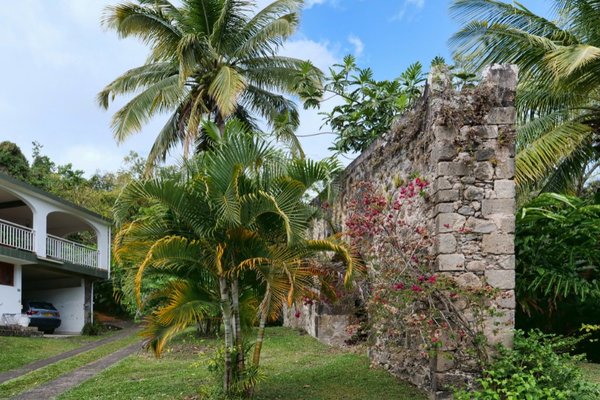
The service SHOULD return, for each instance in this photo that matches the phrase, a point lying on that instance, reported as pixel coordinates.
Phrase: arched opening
(16, 222)
(72, 239)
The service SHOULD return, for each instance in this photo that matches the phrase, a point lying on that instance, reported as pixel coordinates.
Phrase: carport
(69, 293)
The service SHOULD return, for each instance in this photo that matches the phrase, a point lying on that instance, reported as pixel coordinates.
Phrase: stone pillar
(474, 202)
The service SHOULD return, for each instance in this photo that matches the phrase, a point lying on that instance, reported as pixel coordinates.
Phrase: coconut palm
(209, 60)
(232, 223)
(558, 91)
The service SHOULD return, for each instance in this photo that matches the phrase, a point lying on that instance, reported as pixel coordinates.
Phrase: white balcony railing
(66, 250)
(17, 236)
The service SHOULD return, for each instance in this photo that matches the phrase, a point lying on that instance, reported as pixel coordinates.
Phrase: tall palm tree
(209, 60)
(558, 92)
(234, 220)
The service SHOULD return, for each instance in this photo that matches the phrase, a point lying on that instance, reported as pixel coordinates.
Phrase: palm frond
(163, 96)
(226, 88)
(541, 155)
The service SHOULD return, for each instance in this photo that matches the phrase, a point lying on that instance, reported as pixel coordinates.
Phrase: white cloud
(323, 55)
(307, 3)
(23, 26)
(408, 9)
(310, 3)
(85, 13)
(320, 53)
(358, 44)
(59, 58)
(91, 157)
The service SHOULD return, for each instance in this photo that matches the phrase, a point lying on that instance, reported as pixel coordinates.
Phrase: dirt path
(52, 389)
(15, 373)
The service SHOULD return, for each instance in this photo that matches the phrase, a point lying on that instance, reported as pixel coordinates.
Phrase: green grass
(175, 375)
(52, 371)
(20, 351)
(591, 372)
(299, 367)
(296, 367)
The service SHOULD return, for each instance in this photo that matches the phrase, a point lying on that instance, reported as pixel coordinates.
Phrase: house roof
(39, 192)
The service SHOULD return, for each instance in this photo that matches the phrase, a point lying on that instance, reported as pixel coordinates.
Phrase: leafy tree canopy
(12, 161)
(369, 106)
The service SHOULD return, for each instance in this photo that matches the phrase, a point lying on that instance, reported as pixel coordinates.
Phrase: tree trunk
(235, 296)
(264, 314)
(226, 309)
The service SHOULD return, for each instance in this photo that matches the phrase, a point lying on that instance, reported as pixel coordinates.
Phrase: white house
(38, 263)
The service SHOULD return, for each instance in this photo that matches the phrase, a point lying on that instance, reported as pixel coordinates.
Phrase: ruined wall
(462, 142)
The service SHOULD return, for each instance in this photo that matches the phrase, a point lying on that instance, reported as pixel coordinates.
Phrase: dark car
(42, 315)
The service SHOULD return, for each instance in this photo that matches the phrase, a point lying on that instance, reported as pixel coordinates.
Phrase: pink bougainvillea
(407, 297)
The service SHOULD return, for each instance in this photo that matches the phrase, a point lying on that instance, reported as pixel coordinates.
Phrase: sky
(56, 57)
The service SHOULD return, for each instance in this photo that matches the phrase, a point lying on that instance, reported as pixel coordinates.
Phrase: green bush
(93, 329)
(539, 367)
(244, 381)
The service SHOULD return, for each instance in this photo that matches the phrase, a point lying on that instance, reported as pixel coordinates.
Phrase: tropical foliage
(557, 251)
(557, 96)
(209, 60)
(558, 260)
(368, 106)
(96, 193)
(228, 234)
(539, 367)
(12, 161)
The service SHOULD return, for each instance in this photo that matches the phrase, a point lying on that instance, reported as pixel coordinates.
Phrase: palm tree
(233, 221)
(558, 92)
(209, 60)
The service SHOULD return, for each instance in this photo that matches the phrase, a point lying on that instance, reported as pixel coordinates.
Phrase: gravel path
(15, 373)
(52, 389)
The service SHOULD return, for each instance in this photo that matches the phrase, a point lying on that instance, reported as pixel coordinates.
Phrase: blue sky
(56, 57)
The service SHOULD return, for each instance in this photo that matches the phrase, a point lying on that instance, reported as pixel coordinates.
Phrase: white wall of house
(69, 301)
(10, 296)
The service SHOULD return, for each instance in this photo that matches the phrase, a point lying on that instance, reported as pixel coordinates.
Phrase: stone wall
(462, 142)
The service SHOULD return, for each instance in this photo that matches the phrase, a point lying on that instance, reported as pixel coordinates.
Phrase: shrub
(93, 329)
(243, 380)
(538, 367)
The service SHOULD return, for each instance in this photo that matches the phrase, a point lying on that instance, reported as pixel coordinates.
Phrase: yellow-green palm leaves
(558, 92)
(208, 60)
(227, 236)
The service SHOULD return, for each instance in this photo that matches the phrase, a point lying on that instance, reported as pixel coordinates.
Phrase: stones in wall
(474, 206)
(464, 143)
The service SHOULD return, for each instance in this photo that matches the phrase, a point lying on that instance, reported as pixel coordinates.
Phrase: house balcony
(38, 228)
(23, 238)
(69, 251)
(17, 236)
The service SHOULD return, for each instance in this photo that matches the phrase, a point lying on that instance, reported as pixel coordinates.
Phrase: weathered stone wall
(462, 142)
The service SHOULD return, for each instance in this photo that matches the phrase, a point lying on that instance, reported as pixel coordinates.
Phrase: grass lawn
(296, 367)
(52, 371)
(591, 371)
(19, 351)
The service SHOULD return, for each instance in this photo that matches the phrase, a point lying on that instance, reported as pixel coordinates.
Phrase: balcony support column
(40, 224)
